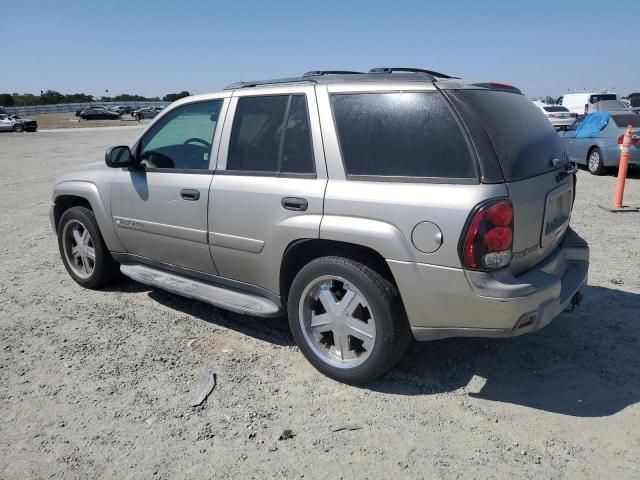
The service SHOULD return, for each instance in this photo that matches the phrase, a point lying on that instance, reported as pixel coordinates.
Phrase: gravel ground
(98, 384)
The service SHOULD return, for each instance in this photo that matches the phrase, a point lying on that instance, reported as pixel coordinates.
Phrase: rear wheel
(83, 250)
(594, 162)
(347, 319)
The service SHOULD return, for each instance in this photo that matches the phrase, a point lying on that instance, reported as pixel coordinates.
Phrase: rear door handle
(295, 203)
(190, 194)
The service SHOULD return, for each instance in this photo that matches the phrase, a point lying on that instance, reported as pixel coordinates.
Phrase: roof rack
(276, 81)
(317, 73)
(431, 73)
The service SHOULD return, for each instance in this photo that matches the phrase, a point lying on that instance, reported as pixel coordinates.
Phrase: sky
(155, 47)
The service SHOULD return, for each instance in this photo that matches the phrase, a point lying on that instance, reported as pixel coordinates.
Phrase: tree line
(51, 97)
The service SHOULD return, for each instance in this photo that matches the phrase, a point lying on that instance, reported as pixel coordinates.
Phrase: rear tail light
(487, 241)
(634, 140)
(586, 108)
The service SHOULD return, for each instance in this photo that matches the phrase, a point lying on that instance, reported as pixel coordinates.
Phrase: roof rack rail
(276, 81)
(317, 73)
(431, 73)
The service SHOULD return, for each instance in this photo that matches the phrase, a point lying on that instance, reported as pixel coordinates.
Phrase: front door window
(181, 140)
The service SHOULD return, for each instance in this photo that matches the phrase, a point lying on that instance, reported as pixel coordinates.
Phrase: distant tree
(6, 100)
(172, 97)
(51, 97)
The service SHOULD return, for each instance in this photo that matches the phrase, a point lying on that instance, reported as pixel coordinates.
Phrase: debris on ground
(286, 435)
(347, 426)
(207, 384)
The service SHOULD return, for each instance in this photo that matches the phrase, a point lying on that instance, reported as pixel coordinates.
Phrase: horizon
(201, 47)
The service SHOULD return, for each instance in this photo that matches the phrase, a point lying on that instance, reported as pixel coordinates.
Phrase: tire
(18, 128)
(350, 355)
(86, 272)
(594, 162)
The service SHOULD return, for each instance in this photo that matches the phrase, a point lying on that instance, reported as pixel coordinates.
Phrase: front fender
(101, 208)
(380, 236)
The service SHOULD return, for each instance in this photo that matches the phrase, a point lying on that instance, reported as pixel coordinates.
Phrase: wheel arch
(300, 252)
(73, 193)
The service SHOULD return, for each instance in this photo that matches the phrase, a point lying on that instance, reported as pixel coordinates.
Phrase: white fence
(72, 107)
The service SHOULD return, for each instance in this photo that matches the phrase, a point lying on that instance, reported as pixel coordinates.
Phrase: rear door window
(524, 140)
(271, 134)
(403, 134)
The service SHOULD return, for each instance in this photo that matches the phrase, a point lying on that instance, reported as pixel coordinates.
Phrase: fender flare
(89, 192)
(383, 237)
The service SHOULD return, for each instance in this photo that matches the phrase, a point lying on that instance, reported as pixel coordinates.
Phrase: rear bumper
(445, 302)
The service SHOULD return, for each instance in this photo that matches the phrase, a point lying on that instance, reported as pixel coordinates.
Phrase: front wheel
(347, 319)
(83, 250)
(594, 162)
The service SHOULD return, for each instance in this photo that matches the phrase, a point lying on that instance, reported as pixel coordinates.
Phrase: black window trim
(138, 144)
(278, 174)
(406, 179)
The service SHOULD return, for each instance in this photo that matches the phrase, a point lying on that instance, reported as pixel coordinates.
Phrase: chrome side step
(239, 302)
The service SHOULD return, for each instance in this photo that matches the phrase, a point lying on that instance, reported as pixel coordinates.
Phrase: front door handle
(190, 194)
(294, 203)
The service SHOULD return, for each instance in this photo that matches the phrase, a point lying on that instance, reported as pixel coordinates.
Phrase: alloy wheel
(337, 321)
(594, 160)
(79, 249)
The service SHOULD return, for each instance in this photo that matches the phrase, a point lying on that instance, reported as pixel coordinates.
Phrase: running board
(239, 302)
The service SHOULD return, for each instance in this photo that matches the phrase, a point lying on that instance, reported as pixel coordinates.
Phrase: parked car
(559, 116)
(330, 204)
(147, 112)
(582, 102)
(610, 106)
(594, 140)
(13, 123)
(98, 113)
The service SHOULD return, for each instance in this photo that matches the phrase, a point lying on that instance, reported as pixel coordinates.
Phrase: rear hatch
(534, 166)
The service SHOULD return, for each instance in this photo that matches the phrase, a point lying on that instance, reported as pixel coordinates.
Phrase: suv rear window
(404, 134)
(524, 140)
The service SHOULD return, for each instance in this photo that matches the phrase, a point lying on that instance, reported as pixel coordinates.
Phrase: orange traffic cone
(628, 139)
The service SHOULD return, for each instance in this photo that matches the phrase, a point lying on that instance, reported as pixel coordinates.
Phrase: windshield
(610, 105)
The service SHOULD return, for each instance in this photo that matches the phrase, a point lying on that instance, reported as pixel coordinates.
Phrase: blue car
(594, 140)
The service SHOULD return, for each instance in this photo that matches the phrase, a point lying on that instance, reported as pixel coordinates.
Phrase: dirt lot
(49, 121)
(98, 384)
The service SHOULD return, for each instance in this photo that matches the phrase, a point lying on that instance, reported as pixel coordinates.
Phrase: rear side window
(632, 119)
(524, 140)
(401, 135)
(271, 134)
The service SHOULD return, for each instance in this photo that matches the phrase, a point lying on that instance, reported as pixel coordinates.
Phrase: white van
(581, 102)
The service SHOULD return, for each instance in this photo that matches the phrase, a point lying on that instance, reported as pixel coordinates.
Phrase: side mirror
(119, 157)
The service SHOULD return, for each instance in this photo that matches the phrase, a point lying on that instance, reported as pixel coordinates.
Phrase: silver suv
(369, 208)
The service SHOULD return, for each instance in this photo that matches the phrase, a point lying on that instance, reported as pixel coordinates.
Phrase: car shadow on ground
(272, 330)
(585, 363)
